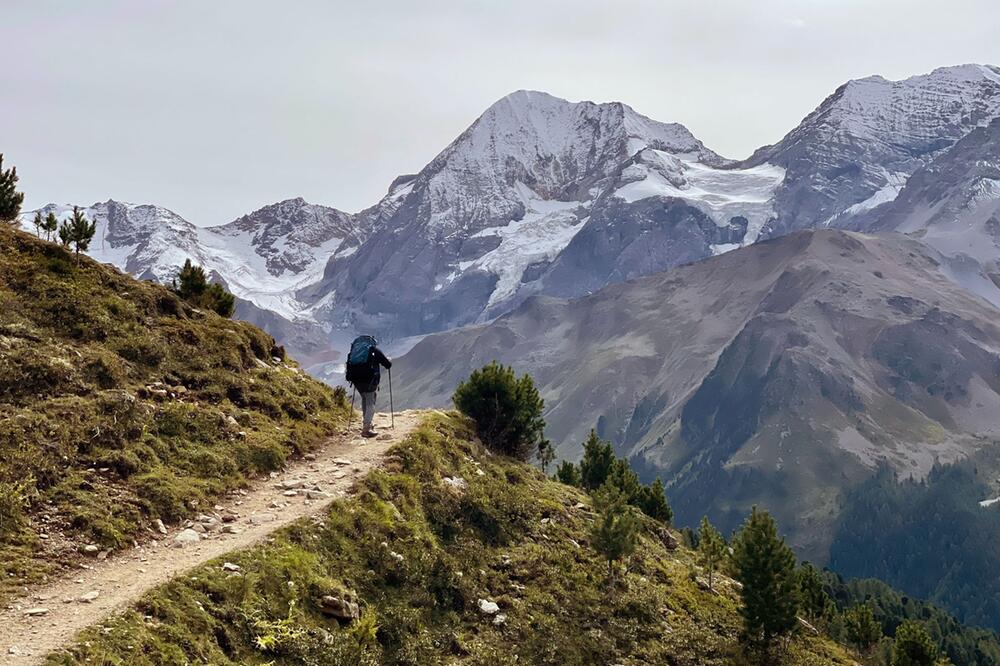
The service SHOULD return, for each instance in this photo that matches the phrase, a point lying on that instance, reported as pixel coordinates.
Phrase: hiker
(364, 373)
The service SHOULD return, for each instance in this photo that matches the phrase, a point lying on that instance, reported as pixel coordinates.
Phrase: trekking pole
(350, 419)
(392, 411)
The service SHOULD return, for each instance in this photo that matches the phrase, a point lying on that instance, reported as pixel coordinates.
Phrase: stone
(488, 607)
(186, 537)
(290, 493)
(340, 608)
(317, 494)
(229, 566)
(197, 527)
(670, 542)
(341, 461)
(500, 619)
(259, 518)
(456, 483)
(160, 527)
(230, 517)
(88, 597)
(91, 549)
(36, 612)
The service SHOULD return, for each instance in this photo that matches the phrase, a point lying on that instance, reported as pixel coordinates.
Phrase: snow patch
(545, 230)
(719, 193)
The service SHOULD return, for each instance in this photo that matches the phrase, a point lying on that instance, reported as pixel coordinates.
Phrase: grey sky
(215, 108)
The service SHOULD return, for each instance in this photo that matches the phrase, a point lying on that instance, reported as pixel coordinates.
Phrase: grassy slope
(104, 448)
(419, 554)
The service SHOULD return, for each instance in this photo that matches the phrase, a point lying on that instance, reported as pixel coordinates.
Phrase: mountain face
(953, 205)
(467, 236)
(786, 370)
(860, 146)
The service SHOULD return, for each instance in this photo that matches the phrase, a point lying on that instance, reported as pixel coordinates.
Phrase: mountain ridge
(541, 195)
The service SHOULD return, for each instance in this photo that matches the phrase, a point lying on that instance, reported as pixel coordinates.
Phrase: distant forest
(929, 538)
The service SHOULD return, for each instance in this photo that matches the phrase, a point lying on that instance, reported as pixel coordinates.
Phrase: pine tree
(652, 501)
(913, 646)
(711, 549)
(506, 409)
(65, 235)
(77, 231)
(615, 533)
(50, 225)
(815, 603)
(39, 223)
(598, 459)
(10, 198)
(862, 628)
(195, 288)
(546, 454)
(765, 565)
(568, 473)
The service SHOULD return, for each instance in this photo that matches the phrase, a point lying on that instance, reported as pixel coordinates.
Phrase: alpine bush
(506, 410)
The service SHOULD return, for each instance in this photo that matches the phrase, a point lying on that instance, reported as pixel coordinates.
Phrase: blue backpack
(361, 367)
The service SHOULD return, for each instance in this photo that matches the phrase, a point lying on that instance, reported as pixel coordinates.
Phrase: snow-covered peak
(532, 126)
(562, 151)
(296, 220)
(918, 111)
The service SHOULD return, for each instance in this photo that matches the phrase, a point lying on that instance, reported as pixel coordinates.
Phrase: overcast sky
(215, 108)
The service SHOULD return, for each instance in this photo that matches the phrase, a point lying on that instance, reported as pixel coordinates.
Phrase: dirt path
(32, 627)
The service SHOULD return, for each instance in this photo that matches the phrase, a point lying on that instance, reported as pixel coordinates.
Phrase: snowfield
(719, 193)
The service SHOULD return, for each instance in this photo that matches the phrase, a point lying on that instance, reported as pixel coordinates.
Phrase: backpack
(361, 365)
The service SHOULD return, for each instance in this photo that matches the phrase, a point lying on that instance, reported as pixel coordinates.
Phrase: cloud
(794, 22)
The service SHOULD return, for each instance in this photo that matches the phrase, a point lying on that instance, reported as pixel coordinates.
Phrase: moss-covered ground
(445, 525)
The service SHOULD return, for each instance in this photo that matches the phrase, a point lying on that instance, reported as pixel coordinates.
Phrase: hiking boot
(368, 433)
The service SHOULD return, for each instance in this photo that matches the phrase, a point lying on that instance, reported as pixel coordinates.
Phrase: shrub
(914, 646)
(507, 410)
(13, 502)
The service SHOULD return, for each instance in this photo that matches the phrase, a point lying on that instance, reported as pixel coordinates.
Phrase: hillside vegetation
(120, 404)
(425, 549)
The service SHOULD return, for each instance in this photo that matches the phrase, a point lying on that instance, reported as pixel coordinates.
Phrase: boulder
(488, 607)
(342, 609)
(670, 542)
(186, 537)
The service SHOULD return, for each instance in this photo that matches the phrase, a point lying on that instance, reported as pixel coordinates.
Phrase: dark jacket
(372, 384)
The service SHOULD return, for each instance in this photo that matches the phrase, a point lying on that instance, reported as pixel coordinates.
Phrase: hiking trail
(48, 617)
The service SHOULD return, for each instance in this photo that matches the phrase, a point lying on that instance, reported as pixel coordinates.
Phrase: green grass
(419, 554)
(120, 404)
